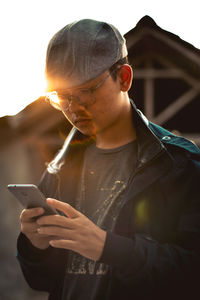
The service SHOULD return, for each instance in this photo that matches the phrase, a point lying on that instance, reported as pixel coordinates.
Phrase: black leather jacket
(158, 256)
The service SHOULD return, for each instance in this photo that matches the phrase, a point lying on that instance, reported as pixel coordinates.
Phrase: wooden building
(166, 83)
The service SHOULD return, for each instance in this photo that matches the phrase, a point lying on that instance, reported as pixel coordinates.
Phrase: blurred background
(166, 89)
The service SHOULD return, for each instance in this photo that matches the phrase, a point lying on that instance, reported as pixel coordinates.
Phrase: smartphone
(30, 196)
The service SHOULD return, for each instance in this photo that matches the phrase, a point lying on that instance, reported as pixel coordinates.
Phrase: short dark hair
(119, 63)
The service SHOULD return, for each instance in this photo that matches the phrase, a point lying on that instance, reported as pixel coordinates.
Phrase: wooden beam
(177, 105)
(149, 97)
(155, 73)
(176, 45)
(149, 92)
(184, 75)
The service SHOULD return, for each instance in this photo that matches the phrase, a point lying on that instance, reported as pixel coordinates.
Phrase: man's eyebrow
(66, 91)
(63, 91)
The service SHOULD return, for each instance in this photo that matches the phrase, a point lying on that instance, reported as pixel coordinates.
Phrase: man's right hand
(29, 227)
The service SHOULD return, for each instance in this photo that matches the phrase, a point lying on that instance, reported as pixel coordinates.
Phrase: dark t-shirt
(105, 177)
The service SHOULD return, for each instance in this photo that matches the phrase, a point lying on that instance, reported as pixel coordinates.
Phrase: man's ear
(125, 74)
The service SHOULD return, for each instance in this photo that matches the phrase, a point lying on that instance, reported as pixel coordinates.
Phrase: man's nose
(74, 104)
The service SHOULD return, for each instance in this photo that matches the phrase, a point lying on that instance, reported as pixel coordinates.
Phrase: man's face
(105, 104)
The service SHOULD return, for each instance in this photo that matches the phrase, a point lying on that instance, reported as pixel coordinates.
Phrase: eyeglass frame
(74, 97)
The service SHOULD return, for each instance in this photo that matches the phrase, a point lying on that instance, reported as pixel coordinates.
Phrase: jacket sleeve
(42, 269)
(143, 261)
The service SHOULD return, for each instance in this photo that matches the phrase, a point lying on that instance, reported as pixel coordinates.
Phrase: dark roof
(147, 37)
(148, 22)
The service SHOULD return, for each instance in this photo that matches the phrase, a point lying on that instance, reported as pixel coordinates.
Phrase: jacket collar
(149, 146)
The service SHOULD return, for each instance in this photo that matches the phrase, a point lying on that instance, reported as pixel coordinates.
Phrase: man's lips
(81, 120)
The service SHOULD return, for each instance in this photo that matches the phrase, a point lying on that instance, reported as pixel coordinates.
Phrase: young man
(130, 227)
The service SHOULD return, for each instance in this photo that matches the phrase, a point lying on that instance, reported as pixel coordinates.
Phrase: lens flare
(53, 97)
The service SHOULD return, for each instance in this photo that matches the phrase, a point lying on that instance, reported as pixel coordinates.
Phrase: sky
(26, 26)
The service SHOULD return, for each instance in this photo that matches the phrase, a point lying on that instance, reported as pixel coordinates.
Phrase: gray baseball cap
(83, 50)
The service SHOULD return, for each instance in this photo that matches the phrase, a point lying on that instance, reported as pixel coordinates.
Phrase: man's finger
(64, 244)
(58, 232)
(68, 210)
(29, 227)
(29, 213)
(57, 220)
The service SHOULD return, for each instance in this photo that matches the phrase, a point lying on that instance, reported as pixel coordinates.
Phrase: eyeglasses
(83, 97)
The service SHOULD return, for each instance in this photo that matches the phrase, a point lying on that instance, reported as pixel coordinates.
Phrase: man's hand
(74, 232)
(29, 227)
